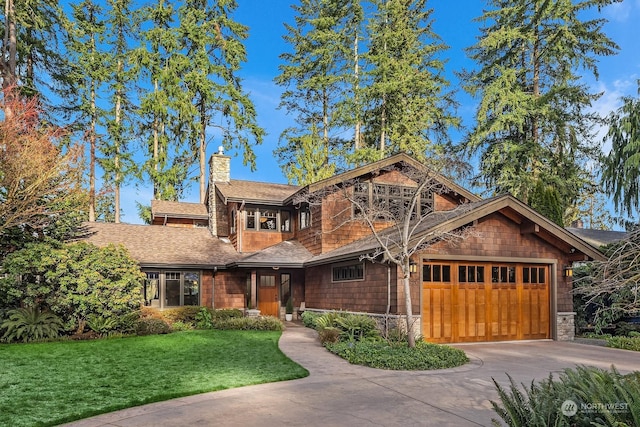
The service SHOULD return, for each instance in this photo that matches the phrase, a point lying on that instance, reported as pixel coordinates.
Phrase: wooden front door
(268, 296)
(469, 302)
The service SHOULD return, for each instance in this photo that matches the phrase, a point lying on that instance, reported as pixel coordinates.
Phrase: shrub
(204, 318)
(181, 326)
(260, 323)
(226, 313)
(383, 355)
(327, 320)
(146, 326)
(186, 313)
(626, 343)
(329, 335)
(75, 281)
(356, 327)
(30, 324)
(309, 318)
(541, 404)
(102, 325)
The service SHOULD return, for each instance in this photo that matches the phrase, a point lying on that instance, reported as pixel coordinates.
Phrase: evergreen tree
(88, 72)
(621, 167)
(532, 123)
(168, 161)
(318, 75)
(117, 162)
(407, 107)
(211, 56)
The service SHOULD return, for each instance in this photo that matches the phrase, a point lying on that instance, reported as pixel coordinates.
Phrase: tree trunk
(203, 151)
(411, 338)
(116, 160)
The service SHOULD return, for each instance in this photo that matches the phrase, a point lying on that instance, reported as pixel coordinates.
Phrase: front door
(268, 296)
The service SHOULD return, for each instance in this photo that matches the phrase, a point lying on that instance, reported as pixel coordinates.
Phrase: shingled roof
(287, 254)
(159, 246)
(160, 208)
(255, 192)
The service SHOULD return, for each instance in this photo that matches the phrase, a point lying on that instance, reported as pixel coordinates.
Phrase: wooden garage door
(469, 302)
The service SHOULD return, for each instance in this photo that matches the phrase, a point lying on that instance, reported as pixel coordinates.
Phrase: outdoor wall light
(568, 271)
(413, 267)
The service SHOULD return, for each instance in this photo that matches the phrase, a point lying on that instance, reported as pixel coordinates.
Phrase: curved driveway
(339, 394)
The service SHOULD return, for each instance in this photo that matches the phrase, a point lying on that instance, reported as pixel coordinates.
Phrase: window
(436, 273)
(285, 221)
(285, 287)
(534, 275)
(268, 220)
(151, 291)
(251, 219)
(391, 199)
(503, 274)
(470, 274)
(305, 217)
(171, 288)
(344, 273)
(267, 281)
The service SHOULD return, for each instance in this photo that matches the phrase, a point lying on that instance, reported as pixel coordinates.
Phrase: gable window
(285, 221)
(343, 273)
(393, 199)
(305, 217)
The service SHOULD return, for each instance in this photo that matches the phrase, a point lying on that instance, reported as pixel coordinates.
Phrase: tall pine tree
(533, 125)
(318, 75)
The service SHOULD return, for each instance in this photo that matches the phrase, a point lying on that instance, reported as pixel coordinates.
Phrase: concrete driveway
(339, 394)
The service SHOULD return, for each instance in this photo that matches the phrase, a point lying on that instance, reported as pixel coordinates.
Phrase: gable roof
(443, 221)
(397, 159)
(160, 246)
(255, 192)
(160, 208)
(598, 238)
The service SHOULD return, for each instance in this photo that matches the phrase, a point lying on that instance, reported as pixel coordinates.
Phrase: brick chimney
(219, 172)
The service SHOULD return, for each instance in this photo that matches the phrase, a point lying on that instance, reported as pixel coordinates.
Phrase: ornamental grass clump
(584, 396)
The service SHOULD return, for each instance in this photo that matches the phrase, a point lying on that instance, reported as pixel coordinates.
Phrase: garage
(477, 302)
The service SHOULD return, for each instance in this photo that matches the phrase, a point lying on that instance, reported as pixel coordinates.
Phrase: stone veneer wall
(566, 328)
(219, 171)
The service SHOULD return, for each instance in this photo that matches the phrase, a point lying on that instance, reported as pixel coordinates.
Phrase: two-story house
(256, 244)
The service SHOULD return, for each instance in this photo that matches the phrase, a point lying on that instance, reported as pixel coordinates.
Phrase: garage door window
(534, 275)
(436, 273)
(503, 274)
(470, 273)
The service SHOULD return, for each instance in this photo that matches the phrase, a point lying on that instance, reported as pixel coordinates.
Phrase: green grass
(56, 382)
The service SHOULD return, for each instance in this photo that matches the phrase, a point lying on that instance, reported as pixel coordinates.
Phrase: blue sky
(453, 22)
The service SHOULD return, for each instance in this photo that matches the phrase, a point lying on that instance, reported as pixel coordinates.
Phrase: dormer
(179, 214)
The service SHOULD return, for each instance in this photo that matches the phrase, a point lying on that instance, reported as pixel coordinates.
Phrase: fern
(31, 324)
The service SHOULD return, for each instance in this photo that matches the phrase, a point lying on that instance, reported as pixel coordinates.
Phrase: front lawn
(52, 383)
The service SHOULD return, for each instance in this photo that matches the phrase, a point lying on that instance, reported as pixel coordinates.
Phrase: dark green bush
(102, 325)
(30, 324)
(383, 355)
(260, 323)
(309, 319)
(590, 389)
(226, 313)
(356, 327)
(150, 326)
